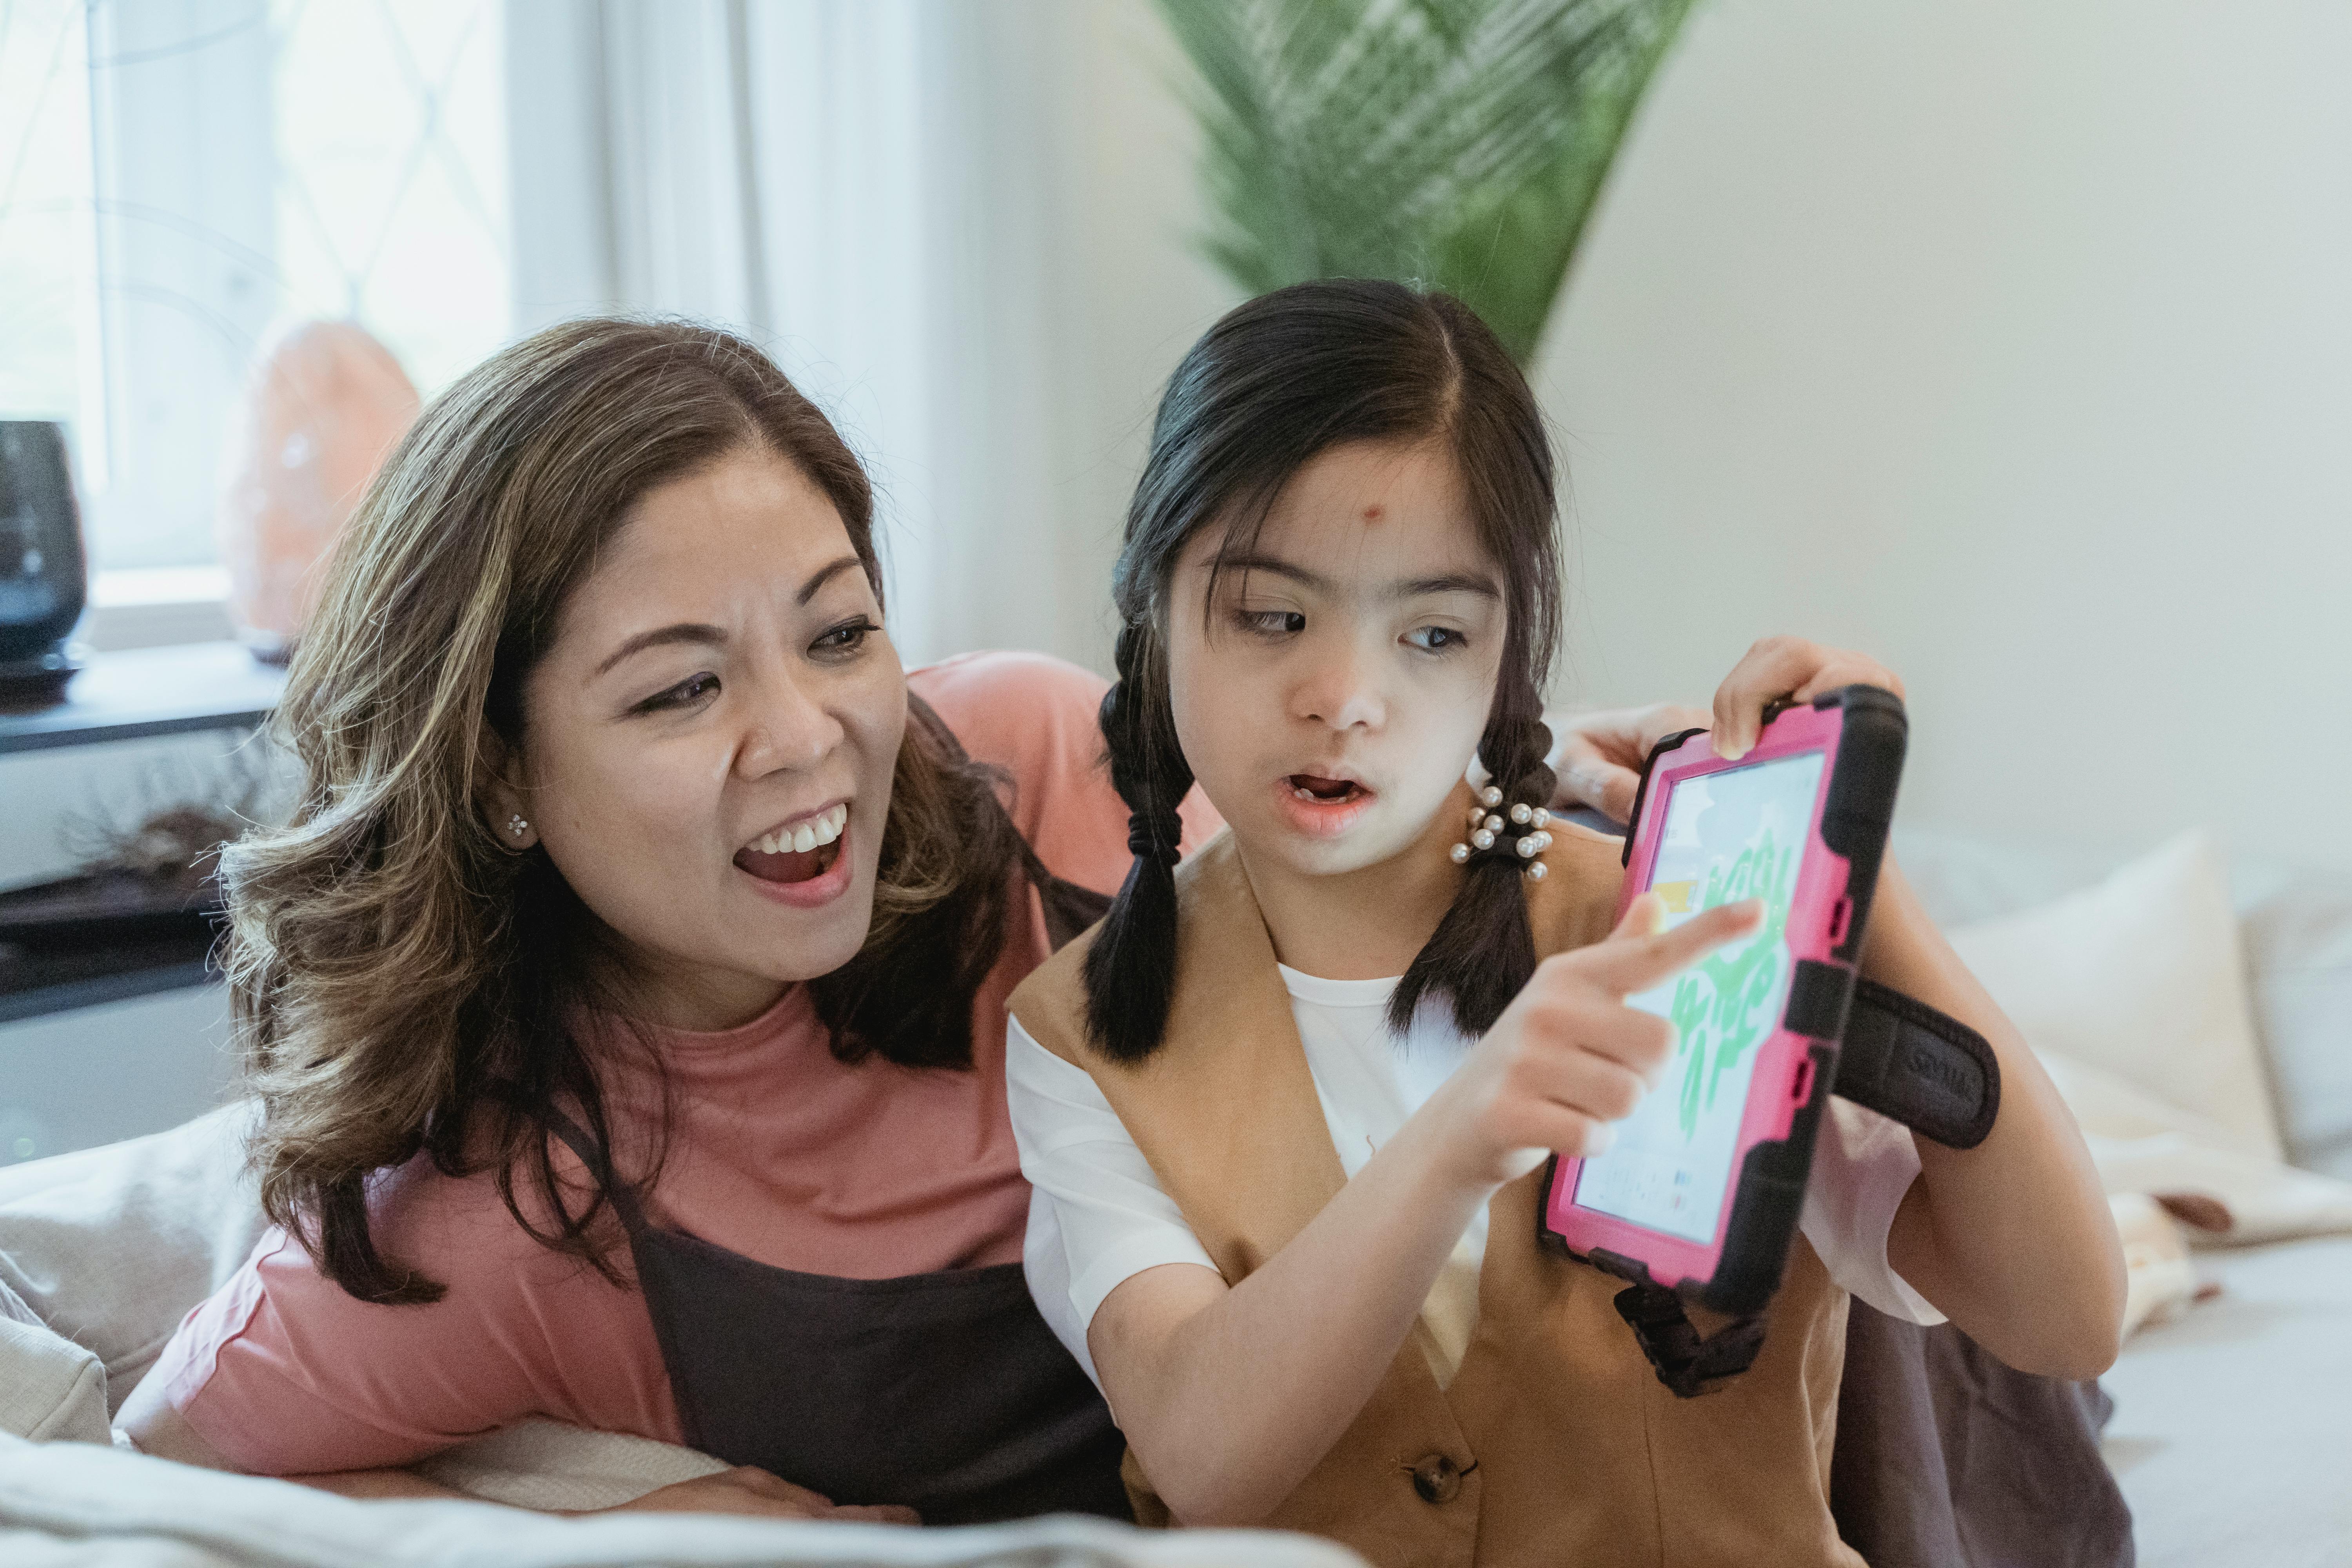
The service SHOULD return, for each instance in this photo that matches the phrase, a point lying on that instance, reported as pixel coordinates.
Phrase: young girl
(1284, 1109)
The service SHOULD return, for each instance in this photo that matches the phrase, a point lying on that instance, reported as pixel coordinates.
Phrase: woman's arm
(163, 1432)
(2013, 1240)
(1230, 1397)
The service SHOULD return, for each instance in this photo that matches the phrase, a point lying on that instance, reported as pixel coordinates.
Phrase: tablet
(1701, 1191)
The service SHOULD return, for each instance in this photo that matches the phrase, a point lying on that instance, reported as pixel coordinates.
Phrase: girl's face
(1334, 693)
(709, 742)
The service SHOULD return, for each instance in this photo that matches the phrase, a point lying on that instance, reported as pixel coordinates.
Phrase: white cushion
(50, 1388)
(2298, 934)
(555, 1467)
(2140, 975)
(111, 1246)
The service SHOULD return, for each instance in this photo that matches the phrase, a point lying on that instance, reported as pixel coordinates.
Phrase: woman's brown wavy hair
(401, 982)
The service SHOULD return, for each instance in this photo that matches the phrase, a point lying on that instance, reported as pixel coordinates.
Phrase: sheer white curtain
(865, 186)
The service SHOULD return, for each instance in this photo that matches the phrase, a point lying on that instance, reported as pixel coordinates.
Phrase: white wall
(2011, 342)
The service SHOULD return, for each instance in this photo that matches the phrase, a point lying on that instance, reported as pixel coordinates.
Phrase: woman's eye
(845, 638)
(1435, 639)
(684, 694)
(1273, 623)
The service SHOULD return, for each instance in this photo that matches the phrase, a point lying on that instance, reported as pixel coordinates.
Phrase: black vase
(44, 577)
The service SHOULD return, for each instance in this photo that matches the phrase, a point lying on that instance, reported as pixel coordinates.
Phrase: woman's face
(709, 742)
(1334, 691)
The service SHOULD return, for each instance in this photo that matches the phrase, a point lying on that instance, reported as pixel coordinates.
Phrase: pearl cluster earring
(1523, 833)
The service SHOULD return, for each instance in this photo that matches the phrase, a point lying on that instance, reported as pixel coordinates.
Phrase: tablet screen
(1729, 836)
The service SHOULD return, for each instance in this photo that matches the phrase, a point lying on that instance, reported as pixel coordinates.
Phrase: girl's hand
(1602, 754)
(752, 1490)
(1791, 668)
(1568, 1057)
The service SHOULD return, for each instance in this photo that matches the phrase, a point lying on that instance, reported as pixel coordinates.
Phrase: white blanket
(75, 1504)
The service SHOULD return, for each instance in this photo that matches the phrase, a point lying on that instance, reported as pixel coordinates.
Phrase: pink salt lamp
(326, 403)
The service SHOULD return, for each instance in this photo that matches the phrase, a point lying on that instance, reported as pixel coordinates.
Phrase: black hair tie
(1154, 836)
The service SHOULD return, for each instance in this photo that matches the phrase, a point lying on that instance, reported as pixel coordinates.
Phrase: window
(48, 265)
(196, 172)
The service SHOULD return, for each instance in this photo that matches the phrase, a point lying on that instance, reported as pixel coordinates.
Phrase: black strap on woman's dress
(599, 1160)
(1069, 908)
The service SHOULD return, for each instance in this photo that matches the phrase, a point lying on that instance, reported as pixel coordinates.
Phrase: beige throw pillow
(2140, 976)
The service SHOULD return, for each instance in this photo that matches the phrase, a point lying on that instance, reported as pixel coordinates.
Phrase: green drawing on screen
(1721, 1009)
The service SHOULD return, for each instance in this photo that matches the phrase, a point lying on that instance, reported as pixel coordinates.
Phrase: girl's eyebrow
(1408, 588)
(1452, 583)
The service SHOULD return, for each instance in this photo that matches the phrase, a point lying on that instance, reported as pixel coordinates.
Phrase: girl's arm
(2013, 1240)
(1231, 1395)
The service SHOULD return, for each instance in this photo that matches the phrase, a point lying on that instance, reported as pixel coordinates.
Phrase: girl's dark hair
(1272, 385)
(401, 982)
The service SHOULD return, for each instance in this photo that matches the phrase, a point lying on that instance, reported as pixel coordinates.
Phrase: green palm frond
(1456, 144)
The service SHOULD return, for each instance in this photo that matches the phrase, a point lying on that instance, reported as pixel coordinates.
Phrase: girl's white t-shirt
(1097, 1215)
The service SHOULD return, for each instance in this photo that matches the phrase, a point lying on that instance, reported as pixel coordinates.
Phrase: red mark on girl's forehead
(1373, 512)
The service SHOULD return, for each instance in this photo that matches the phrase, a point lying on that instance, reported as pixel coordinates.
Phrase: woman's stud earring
(516, 826)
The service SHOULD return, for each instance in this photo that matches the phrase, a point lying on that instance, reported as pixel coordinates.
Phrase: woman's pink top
(778, 1151)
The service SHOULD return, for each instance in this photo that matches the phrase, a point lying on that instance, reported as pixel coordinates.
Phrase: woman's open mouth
(1319, 805)
(798, 862)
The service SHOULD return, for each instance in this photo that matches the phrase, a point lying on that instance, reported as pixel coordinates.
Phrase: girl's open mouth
(1319, 806)
(795, 855)
(1321, 790)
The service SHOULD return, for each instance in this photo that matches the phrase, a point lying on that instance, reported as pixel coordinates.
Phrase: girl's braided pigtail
(1131, 968)
(1484, 952)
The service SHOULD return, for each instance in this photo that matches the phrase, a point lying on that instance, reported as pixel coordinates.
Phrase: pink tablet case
(1861, 730)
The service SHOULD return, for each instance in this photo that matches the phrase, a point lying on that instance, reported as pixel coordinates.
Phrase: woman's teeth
(808, 836)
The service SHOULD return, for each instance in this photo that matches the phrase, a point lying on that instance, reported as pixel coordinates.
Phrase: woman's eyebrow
(684, 631)
(715, 637)
(824, 574)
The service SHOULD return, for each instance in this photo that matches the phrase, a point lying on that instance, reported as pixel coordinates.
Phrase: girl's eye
(684, 694)
(1273, 623)
(1437, 639)
(843, 639)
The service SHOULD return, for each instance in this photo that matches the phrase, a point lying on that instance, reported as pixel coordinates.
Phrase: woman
(625, 999)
